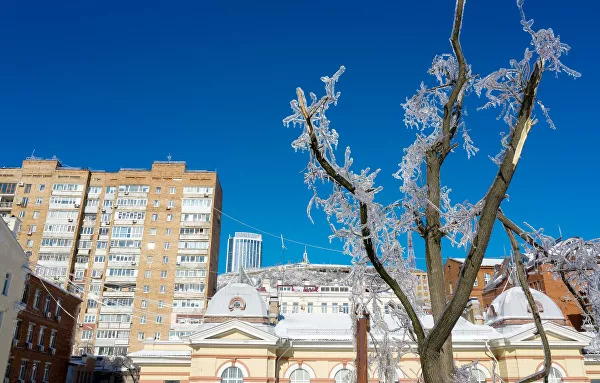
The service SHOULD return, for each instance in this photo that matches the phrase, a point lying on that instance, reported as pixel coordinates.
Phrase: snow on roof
(487, 262)
(161, 353)
(512, 304)
(250, 304)
(304, 326)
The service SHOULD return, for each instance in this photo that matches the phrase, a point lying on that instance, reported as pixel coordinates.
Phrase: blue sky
(109, 84)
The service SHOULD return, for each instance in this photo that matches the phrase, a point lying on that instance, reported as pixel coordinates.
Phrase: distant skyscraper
(244, 249)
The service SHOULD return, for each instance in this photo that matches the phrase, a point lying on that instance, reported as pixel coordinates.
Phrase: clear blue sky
(109, 84)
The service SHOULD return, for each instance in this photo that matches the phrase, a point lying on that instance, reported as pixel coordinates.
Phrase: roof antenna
(169, 158)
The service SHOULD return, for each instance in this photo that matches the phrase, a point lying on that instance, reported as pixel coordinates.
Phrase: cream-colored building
(13, 273)
(236, 344)
(139, 246)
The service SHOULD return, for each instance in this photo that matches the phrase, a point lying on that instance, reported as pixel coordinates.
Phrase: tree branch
(366, 233)
(495, 195)
(534, 310)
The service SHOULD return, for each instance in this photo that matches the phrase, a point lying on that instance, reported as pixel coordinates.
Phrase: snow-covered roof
(512, 305)
(161, 353)
(304, 326)
(237, 300)
(487, 262)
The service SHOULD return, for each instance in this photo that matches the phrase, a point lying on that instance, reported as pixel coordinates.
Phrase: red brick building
(452, 272)
(44, 334)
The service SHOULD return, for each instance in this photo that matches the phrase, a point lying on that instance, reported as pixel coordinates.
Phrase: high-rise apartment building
(244, 249)
(139, 246)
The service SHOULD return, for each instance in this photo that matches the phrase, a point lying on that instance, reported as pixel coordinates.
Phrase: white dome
(237, 300)
(511, 307)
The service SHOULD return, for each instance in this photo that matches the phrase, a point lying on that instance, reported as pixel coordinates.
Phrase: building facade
(139, 246)
(13, 272)
(44, 335)
(245, 250)
(236, 343)
(452, 268)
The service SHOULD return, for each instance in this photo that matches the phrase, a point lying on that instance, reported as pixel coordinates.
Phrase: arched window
(554, 376)
(342, 376)
(232, 375)
(300, 376)
(477, 376)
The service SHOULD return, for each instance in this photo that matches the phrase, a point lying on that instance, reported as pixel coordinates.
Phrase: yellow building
(13, 273)
(236, 344)
(139, 246)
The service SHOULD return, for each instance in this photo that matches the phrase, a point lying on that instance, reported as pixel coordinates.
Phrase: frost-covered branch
(517, 256)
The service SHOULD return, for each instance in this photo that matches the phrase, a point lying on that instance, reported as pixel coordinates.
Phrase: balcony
(114, 325)
(118, 294)
(204, 237)
(6, 205)
(90, 209)
(188, 310)
(71, 193)
(116, 310)
(195, 224)
(120, 279)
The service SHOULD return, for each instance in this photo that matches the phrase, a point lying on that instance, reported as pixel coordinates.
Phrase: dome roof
(511, 307)
(237, 300)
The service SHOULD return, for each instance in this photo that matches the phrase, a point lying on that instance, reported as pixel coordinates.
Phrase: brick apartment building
(452, 269)
(139, 246)
(542, 279)
(44, 334)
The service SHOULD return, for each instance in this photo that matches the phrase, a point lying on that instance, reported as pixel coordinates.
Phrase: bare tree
(122, 367)
(370, 230)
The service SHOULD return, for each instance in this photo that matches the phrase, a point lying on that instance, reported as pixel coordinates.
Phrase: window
(309, 307)
(111, 190)
(46, 373)
(148, 274)
(334, 308)
(7, 188)
(167, 231)
(149, 259)
(150, 245)
(36, 299)
(171, 203)
(156, 203)
(22, 214)
(24, 201)
(197, 190)
(163, 289)
(295, 307)
(156, 336)
(167, 245)
(165, 259)
(486, 278)
(34, 368)
(47, 304)
(171, 190)
(27, 188)
(58, 307)
(144, 303)
(36, 214)
(143, 319)
(196, 202)
(52, 342)
(152, 231)
(6, 286)
(342, 376)
(450, 288)
(87, 334)
(232, 375)
(159, 319)
(146, 288)
(89, 318)
(30, 331)
(169, 217)
(157, 190)
(345, 308)
(476, 283)
(554, 376)
(41, 335)
(300, 376)
(141, 336)
(161, 304)
(42, 187)
(284, 308)
(30, 243)
(38, 201)
(476, 376)
(134, 189)
(154, 217)
(163, 273)
(23, 370)
(324, 308)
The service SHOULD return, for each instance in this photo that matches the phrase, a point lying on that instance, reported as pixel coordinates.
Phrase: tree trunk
(444, 364)
(431, 368)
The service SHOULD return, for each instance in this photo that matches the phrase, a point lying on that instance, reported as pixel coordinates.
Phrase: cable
(55, 300)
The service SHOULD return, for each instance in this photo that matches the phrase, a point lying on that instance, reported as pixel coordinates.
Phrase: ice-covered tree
(370, 230)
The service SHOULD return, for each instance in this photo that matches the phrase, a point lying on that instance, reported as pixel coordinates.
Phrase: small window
(343, 376)
(141, 336)
(159, 319)
(42, 187)
(143, 319)
(157, 190)
(300, 376)
(172, 190)
(156, 203)
(6, 286)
